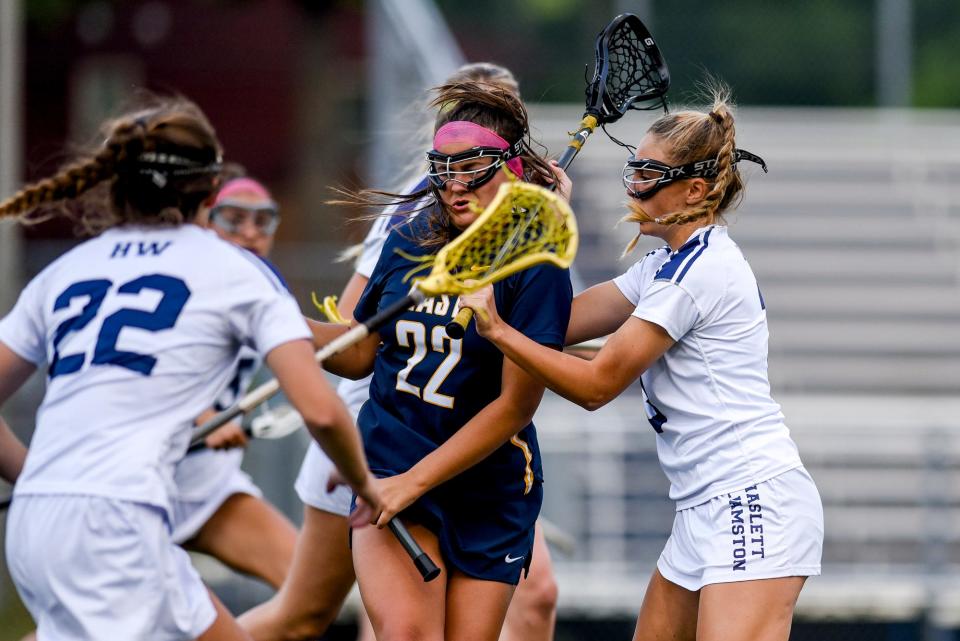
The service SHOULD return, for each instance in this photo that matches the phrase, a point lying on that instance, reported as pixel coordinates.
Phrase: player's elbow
(320, 418)
(594, 399)
(593, 405)
(358, 371)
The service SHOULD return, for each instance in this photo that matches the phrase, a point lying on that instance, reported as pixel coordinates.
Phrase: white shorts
(205, 480)
(311, 484)
(95, 568)
(773, 529)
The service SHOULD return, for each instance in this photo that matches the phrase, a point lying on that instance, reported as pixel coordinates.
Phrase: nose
(456, 187)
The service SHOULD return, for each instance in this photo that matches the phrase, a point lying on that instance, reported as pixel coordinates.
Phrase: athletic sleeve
(538, 303)
(265, 315)
(630, 284)
(23, 330)
(670, 306)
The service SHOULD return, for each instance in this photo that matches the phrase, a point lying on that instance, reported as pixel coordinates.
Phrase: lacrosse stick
(271, 424)
(550, 236)
(629, 72)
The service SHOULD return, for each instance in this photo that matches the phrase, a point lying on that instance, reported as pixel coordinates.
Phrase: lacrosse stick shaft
(425, 565)
(5, 503)
(577, 140)
(197, 443)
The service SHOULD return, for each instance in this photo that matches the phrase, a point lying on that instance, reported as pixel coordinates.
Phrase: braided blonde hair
(109, 174)
(692, 136)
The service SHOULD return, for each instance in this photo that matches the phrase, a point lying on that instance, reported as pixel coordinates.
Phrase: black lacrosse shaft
(425, 565)
(197, 445)
(5, 503)
(576, 143)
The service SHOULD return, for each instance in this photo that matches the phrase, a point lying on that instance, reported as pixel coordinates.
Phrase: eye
(232, 215)
(263, 219)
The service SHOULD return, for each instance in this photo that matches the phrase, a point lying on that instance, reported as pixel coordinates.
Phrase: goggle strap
(743, 154)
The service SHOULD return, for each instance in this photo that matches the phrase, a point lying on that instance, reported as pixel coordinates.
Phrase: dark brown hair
(489, 104)
(155, 166)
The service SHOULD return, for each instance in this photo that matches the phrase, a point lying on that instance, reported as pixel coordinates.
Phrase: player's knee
(309, 625)
(399, 630)
(541, 595)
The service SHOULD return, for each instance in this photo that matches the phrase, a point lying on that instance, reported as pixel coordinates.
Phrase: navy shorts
(484, 535)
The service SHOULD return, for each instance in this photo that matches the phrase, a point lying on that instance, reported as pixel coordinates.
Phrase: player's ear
(697, 190)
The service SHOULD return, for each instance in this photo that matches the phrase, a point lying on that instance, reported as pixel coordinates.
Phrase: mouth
(461, 206)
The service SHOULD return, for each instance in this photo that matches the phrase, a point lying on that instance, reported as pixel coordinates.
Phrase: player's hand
(564, 184)
(485, 315)
(368, 498)
(397, 493)
(229, 436)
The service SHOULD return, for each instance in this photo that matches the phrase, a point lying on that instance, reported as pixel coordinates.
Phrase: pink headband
(464, 131)
(242, 185)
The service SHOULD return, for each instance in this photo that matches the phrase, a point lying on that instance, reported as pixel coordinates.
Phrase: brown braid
(171, 124)
(76, 178)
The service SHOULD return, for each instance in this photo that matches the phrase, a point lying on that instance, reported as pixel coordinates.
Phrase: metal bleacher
(854, 236)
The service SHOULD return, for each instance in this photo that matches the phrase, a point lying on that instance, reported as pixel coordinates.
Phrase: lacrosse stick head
(629, 71)
(524, 225)
(276, 422)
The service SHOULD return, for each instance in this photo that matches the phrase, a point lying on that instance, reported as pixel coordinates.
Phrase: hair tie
(717, 118)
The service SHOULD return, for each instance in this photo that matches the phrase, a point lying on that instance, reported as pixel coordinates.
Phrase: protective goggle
(231, 216)
(472, 168)
(643, 177)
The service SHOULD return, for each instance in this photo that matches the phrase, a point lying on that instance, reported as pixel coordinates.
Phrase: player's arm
(14, 372)
(489, 429)
(590, 384)
(351, 294)
(597, 312)
(354, 362)
(12, 453)
(323, 412)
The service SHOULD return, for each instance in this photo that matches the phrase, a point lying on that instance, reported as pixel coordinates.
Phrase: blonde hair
(691, 136)
(132, 176)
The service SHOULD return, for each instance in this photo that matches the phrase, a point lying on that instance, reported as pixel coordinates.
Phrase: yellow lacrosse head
(524, 225)
(329, 309)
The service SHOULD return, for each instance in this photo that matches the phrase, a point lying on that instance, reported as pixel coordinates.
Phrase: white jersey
(708, 397)
(141, 328)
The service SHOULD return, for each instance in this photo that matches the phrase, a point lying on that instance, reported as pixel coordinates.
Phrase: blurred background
(853, 236)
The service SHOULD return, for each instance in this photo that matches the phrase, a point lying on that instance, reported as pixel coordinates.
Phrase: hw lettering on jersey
(747, 529)
(124, 250)
(442, 305)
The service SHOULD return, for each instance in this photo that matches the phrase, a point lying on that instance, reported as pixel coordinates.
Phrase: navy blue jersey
(427, 385)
